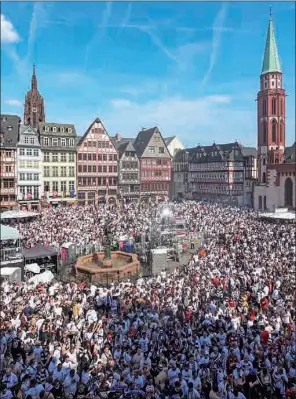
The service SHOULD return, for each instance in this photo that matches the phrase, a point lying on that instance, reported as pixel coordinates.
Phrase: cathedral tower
(271, 108)
(34, 104)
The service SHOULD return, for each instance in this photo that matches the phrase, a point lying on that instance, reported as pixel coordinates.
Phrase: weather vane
(270, 11)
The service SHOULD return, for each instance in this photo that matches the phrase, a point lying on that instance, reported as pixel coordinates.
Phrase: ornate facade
(97, 166)
(34, 104)
(9, 131)
(58, 144)
(155, 164)
(29, 168)
(128, 169)
(221, 172)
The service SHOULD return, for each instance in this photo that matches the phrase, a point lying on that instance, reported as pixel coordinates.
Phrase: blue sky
(190, 68)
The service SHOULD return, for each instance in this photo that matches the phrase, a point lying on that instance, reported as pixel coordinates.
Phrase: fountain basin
(96, 269)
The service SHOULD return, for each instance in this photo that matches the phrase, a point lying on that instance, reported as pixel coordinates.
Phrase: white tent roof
(8, 271)
(9, 233)
(17, 215)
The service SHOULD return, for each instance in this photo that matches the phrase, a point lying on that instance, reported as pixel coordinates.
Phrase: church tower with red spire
(34, 104)
(271, 108)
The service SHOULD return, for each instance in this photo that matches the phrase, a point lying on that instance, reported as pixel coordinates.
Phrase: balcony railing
(11, 254)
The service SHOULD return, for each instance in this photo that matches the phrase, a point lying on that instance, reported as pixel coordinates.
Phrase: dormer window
(69, 130)
(54, 129)
(46, 128)
(9, 128)
(4, 119)
(62, 130)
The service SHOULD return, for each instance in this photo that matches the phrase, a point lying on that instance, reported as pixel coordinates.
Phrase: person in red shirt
(264, 337)
(216, 281)
(264, 303)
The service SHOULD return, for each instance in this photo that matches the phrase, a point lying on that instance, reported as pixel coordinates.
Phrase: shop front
(29, 203)
(54, 200)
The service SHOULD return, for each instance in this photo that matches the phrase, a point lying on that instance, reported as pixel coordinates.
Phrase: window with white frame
(46, 157)
(54, 129)
(26, 140)
(69, 130)
(71, 171)
(55, 186)
(63, 142)
(63, 157)
(55, 171)
(36, 153)
(32, 140)
(45, 141)
(22, 151)
(71, 185)
(36, 176)
(55, 142)
(29, 176)
(62, 130)
(22, 176)
(29, 152)
(23, 191)
(71, 142)
(46, 128)
(46, 171)
(63, 186)
(71, 157)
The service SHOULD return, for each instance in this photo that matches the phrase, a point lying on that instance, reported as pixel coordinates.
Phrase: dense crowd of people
(84, 225)
(219, 327)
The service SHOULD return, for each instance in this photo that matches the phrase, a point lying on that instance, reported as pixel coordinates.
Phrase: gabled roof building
(97, 166)
(155, 164)
(128, 170)
(9, 133)
(220, 172)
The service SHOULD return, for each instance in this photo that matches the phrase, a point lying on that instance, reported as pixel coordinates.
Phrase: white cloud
(197, 120)
(218, 26)
(8, 32)
(14, 103)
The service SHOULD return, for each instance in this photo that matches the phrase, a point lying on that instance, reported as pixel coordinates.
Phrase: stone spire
(34, 79)
(271, 62)
(34, 105)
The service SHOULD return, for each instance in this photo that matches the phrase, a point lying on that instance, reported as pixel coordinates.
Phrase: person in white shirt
(10, 379)
(70, 383)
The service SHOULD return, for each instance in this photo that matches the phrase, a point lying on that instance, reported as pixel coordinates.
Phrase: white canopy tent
(32, 267)
(18, 215)
(9, 233)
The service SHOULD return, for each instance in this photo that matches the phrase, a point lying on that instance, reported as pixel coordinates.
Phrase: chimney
(117, 137)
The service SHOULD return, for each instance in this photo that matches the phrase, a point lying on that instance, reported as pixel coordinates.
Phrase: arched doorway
(288, 192)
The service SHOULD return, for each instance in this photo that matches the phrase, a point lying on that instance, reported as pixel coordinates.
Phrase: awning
(18, 215)
(39, 251)
(9, 233)
(8, 271)
(66, 199)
